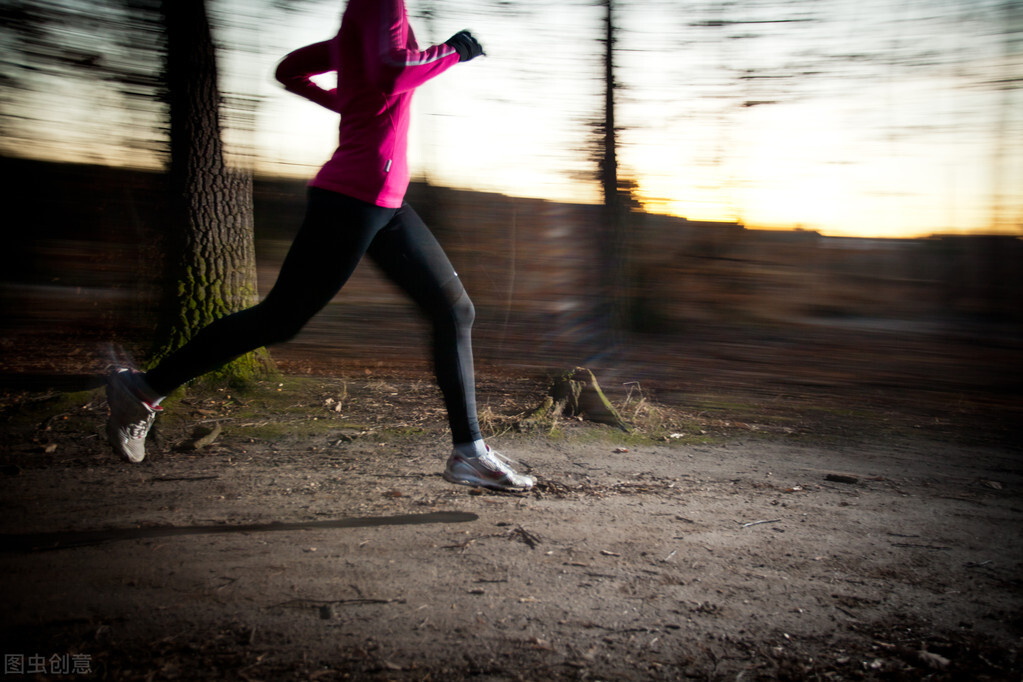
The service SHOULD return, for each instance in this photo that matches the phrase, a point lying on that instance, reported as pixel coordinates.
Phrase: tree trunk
(614, 301)
(210, 268)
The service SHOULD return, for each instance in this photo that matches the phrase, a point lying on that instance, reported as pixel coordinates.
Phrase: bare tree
(612, 248)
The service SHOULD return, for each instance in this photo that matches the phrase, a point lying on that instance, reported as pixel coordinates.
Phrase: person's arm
(398, 67)
(297, 68)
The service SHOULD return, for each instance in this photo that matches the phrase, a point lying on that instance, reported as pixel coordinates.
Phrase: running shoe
(130, 415)
(490, 471)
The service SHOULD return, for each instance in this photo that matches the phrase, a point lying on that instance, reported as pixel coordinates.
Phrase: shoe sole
(480, 483)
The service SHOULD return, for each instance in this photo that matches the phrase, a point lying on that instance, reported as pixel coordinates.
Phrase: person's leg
(410, 256)
(333, 237)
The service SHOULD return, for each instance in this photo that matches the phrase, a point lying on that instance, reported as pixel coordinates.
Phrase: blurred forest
(927, 92)
(76, 274)
(83, 81)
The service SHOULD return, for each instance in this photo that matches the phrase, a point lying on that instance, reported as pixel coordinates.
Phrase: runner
(355, 207)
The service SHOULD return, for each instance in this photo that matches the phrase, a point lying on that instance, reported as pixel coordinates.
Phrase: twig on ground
(757, 523)
(526, 537)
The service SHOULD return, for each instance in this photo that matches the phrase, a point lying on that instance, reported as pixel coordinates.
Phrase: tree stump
(576, 393)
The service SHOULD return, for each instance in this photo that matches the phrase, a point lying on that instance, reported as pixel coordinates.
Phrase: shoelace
(504, 462)
(139, 429)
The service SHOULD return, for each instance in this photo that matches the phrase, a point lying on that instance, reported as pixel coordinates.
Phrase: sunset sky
(882, 118)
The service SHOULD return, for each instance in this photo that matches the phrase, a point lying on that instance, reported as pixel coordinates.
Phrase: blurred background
(799, 195)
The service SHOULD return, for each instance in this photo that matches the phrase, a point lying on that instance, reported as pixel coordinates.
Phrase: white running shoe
(490, 471)
(130, 415)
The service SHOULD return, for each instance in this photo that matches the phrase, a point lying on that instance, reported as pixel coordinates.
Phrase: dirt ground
(846, 530)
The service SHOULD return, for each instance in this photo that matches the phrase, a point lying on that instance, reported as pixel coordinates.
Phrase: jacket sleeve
(399, 64)
(297, 68)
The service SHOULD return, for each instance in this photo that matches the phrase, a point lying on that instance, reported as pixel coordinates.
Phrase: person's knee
(462, 309)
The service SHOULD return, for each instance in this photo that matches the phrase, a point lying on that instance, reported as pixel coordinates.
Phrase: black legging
(337, 231)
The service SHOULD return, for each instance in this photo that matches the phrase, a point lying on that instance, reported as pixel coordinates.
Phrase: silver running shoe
(130, 416)
(490, 471)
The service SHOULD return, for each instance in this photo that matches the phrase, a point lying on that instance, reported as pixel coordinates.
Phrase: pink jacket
(379, 65)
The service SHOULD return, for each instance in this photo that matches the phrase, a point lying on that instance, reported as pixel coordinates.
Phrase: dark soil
(827, 504)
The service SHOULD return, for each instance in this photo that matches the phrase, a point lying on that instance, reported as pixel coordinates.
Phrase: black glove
(465, 45)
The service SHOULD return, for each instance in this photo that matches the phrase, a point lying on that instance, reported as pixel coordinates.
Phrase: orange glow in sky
(719, 129)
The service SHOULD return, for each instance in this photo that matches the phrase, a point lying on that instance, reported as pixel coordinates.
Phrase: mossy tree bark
(210, 268)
